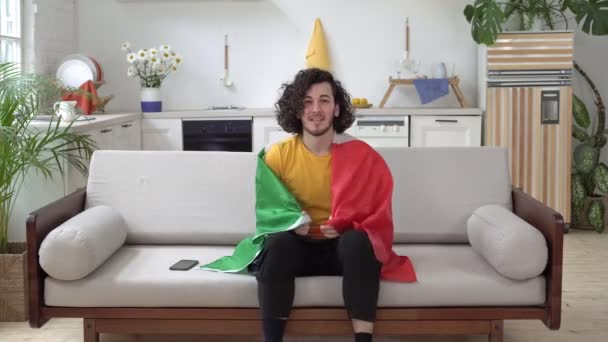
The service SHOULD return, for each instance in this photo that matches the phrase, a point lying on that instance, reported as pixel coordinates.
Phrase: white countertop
(104, 120)
(255, 112)
(93, 122)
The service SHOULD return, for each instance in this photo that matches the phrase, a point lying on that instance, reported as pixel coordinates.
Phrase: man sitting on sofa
(316, 108)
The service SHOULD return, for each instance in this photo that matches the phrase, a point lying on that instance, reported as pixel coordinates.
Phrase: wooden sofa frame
(303, 321)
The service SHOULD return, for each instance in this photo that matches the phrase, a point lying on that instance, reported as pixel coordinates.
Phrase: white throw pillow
(82, 243)
(512, 246)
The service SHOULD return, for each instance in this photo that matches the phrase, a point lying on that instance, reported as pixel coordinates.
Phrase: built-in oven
(218, 134)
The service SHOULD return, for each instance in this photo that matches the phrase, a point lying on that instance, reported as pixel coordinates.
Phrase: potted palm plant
(487, 17)
(25, 149)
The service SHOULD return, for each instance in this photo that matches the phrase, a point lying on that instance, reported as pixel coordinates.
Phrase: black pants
(287, 255)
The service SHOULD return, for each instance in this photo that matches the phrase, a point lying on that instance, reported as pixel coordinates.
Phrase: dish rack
(453, 82)
(77, 69)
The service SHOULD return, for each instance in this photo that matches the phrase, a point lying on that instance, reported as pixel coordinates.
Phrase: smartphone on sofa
(183, 265)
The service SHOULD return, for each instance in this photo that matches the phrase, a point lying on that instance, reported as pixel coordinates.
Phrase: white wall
(268, 40)
(51, 33)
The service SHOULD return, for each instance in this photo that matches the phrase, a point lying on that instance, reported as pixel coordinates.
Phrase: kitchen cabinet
(266, 131)
(127, 136)
(431, 131)
(391, 131)
(161, 134)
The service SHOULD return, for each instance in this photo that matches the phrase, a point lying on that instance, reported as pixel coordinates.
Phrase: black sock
(274, 328)
(363, 337)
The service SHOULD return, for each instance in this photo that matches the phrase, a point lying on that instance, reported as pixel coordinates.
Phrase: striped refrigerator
(525, 85)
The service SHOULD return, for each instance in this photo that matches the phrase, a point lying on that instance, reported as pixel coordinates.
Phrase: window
(10, 31)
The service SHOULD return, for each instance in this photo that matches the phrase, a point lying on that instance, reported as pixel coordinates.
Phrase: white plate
(75, 70)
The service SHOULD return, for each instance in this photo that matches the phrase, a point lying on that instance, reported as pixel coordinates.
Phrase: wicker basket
(13, 275)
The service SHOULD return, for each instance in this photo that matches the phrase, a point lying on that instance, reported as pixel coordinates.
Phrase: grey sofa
(483, 252)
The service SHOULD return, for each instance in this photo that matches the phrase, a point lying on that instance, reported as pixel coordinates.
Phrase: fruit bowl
(367, 105)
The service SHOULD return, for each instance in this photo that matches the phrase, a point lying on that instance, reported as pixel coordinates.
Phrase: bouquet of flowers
(151, 65)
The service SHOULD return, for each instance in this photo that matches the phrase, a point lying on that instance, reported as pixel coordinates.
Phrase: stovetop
(228, 107)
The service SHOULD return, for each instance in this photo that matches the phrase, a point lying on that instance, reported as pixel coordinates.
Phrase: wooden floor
(584, 317)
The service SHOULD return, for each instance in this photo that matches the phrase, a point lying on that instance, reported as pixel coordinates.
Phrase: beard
(319, 131)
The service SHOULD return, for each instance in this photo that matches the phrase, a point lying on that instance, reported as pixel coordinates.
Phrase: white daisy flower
(165, 47)
(165, 55)
(153, 52)
(131, 58)
(125, 46)
(141, 55)
(153, 59)
(178, 59)
(131, 71)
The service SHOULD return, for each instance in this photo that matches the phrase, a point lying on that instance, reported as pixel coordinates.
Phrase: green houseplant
(487, 17)
(24, 149)
(588, 174)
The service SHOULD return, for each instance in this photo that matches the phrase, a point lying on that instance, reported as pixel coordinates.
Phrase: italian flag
(361, 191)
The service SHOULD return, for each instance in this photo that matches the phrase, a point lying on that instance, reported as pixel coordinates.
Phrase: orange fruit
(363, 101)
(356, 101)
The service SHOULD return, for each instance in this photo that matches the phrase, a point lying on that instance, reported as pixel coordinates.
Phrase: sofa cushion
(82, 243)
(139, 276)
(513, 247)
(437, 189)
(169, 197)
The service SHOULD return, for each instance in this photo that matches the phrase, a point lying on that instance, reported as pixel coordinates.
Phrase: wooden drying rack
(453, 82)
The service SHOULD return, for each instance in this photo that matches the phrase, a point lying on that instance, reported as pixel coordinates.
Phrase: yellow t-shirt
(306, 176)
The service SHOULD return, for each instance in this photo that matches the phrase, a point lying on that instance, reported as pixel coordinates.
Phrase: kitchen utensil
(226, 78)
(98, 68)
(66, 110)
(440, 70)
(76, 69)
(405, 59)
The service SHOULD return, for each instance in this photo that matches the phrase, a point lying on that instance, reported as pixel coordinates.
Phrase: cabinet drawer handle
(106, 130)
(126, 125)
(445, 120)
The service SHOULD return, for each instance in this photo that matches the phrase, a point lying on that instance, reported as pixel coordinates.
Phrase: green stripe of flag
(276, 210)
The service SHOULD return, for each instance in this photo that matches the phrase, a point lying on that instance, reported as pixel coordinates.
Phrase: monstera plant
(487, 17)
(588, 174)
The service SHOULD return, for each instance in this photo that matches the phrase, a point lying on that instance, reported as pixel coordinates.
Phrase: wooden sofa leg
(496, 331)
(90, 333)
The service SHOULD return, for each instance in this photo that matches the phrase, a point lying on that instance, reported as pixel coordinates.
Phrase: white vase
(151, 100)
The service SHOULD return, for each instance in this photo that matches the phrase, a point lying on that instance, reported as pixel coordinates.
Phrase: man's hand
(302, 230)
(329, 231)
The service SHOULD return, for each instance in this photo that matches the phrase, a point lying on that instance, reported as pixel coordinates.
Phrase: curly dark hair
(291, 102)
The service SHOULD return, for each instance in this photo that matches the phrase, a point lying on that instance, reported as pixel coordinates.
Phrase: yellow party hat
(317, 55)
